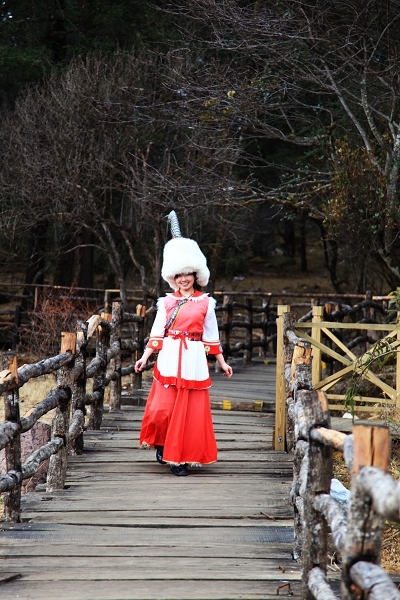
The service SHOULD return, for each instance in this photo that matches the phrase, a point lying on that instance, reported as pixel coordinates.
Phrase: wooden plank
(151, 590)
(280, 400)
(211, 535)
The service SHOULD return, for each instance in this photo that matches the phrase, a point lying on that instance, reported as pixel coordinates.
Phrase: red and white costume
(178, 414)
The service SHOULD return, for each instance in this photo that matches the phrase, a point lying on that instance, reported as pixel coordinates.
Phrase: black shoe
(159, 455)
(179, 470)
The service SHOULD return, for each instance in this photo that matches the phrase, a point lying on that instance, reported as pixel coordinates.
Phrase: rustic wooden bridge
(125, 528)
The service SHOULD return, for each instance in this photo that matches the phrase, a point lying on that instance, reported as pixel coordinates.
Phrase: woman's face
(184, 282)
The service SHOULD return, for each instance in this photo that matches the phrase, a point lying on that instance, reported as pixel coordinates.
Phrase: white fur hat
(183, 255)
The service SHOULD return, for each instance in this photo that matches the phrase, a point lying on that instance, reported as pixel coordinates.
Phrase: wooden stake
(364, 525)
(315, 412)
(10, 364)
(115, 362)
(79, 385)
(138, 339)
(68, 342)
(371, 447)
(12, 499)
(280, 404)
(61, 416)
(318, 314)
(96, 408)
(288, 322)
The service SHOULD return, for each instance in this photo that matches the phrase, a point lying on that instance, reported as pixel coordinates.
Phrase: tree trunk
(303, 244)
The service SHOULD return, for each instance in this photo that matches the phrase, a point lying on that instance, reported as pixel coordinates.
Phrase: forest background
(271, 127)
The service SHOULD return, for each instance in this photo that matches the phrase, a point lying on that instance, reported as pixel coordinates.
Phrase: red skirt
(180, 420)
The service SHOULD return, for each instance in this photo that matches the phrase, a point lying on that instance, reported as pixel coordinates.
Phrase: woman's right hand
(140, 364)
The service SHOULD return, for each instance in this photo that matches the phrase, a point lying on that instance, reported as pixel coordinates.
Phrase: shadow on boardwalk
(125, 528)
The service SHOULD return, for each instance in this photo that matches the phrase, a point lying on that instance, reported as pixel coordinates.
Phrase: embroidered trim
(191, 299)
(177, 308)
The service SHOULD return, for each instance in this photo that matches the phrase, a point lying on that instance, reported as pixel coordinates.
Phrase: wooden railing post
(318, 314)
(264, 323)
(107, 304)
(280, 410)
(102, 344)
(12, 499)
(288, 321)
(115, 362)
(311, 411)
(16, 327)
(248, 340)
(227, 325)
(61, 417)
(139, 339)
(79, 386)
(364, 525)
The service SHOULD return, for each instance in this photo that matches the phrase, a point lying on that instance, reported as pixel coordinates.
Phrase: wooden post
(364, 526)
(115, 362)
(398, 366)
(107, 303)
(288, 321)
(79, 386)
(314, 412)
(139, 339)
(264, 324)
(12, 499)
(61, 417)
(102, 344)
(227, 323)
(318, 314)
(280, 410)
(36, 298)
(16, 326)
(248, 339)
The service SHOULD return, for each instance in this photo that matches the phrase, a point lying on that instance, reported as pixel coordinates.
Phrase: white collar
(192, 298)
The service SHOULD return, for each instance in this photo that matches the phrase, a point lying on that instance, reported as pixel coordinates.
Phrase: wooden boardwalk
(125, 528)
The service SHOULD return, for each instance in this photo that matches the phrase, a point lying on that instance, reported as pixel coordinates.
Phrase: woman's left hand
(228, 371)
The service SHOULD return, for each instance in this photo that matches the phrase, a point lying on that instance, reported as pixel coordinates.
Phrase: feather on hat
(182, 255)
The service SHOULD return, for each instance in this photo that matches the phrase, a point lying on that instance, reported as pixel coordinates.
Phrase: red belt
(183, 336)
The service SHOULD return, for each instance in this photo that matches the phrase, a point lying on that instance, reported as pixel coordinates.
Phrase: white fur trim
(183, 255)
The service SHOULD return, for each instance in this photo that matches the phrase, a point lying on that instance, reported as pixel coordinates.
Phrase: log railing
(68, 400)
(339, 348)
(247, 322)
(356, 531)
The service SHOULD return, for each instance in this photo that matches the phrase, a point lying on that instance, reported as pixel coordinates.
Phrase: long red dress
(178, 414)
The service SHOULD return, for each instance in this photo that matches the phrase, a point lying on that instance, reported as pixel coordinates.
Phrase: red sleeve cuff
(213, 347)
(155, 343)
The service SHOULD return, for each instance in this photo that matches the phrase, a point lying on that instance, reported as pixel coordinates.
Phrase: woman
(177, 420)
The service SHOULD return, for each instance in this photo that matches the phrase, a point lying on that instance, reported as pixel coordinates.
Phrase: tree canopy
(239, 114)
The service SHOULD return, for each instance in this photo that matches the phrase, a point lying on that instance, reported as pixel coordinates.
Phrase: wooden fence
(247, 322)
(370, 346)
(356, 531)
(69, 399)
